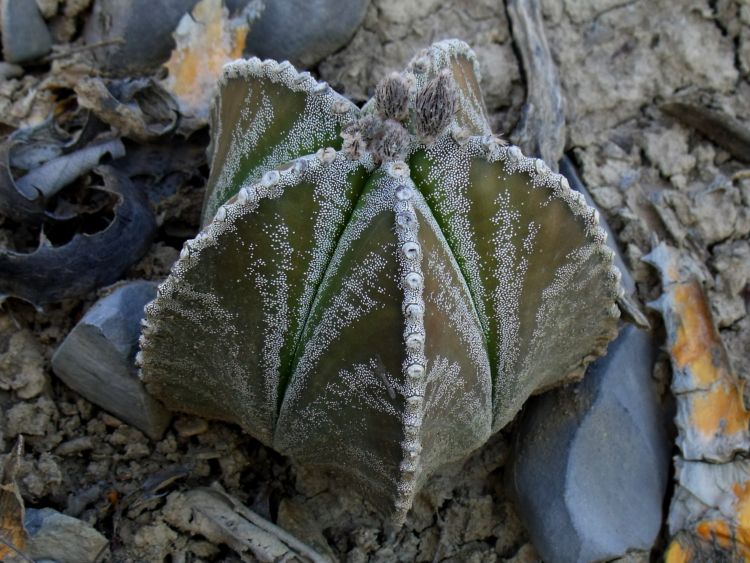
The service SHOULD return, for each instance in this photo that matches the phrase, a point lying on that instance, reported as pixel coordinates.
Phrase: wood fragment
(709, 516)
(222, 519)
(541, 130)
(13, 535)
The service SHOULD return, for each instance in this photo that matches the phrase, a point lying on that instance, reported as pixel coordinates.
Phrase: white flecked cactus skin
(377, 315)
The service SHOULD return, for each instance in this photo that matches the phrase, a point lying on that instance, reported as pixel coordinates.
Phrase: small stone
(8, 71)
(25, 35)
(75, 446)
(304, 31)
(64, 539)
(97, 359)
(110, 421)
(48, 8)
(607, 197)
(189, 426)
(592, 463)
(22, 363)
(31, 418)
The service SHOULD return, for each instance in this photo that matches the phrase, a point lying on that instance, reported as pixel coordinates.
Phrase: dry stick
(698, 110)
(90, 47)
(291, 541)
(541, 130)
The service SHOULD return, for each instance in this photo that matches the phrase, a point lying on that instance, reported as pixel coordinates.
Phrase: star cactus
(376, 290)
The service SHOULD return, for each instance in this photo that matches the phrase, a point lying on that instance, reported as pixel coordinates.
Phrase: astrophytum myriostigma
(377, 291)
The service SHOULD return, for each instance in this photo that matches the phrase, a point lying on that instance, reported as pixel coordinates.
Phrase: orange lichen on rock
(715, 405)
(712, 538)
(710, 511)
(205, 43)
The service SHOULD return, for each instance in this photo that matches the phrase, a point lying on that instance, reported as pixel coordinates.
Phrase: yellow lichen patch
(719, 411)
(717, 531)
(717, 407)
(696, 342)
(678, 553)
(710, 539)
(205, 42)
(742, 510)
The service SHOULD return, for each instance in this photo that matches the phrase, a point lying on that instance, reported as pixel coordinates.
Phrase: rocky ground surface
(652, 173)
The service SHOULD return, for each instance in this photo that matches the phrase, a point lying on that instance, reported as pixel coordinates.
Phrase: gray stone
(8, 71)
(61, 538)
(591, 464)
(304, 31)
(25, 35)
(145, 33)
(97, 358)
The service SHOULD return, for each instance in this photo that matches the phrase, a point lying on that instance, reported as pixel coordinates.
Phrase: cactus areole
(376, 290)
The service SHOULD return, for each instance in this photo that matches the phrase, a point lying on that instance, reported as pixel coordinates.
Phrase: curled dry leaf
(137, 108)
(701, 111)
(88, 261)
(24, 199)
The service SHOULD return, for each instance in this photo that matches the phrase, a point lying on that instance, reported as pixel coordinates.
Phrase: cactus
(376, 291)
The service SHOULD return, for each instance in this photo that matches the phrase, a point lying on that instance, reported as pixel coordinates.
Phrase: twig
(257, 520)
(541, 130)
(83, 48)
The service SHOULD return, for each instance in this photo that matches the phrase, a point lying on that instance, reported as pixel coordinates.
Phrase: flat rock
(304, 31)
(61, 538)
(146, 33)
(97, 358)
(591, 463)
(25, 35)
